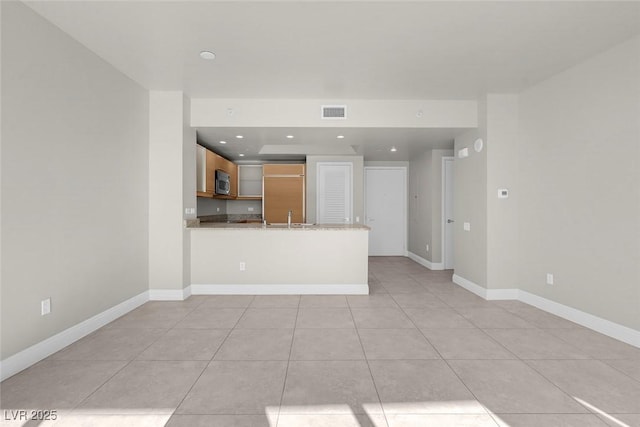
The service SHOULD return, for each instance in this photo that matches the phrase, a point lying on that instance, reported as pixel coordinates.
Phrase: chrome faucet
(289, 218)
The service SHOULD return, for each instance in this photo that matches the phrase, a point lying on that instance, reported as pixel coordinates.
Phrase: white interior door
(385, 210)
(447, 217)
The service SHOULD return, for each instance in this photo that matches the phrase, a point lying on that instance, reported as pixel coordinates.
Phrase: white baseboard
(470, 286)
(22, 360)
(598, 324)
(348, 289)
(169, 294)
(425, 262)
(488, 294)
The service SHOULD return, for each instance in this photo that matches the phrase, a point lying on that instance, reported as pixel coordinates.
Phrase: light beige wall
(358, 184)
(207, 206)
(420, 204)
(579, 208)
(172, 188)
(470, 205)
(279, 257)
(425, 204)
(360, 113)
(502, 172)
(242, 207)
(188, 185)
(390, 163)
(74, 181)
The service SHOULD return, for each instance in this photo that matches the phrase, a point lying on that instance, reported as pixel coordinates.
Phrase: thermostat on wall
(503, 193)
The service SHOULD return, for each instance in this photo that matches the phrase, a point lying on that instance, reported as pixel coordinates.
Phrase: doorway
(386, 210)
(447, 213)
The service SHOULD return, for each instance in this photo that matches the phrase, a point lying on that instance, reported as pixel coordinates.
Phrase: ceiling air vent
(334, 112)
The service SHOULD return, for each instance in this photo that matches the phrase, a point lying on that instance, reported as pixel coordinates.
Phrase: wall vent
(334, 112)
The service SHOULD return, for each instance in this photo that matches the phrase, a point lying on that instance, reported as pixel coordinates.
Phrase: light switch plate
(549, 279)
(45, 306)
(466, 226)
(503, 193)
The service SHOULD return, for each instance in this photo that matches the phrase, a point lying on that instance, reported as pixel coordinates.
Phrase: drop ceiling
(372, 143)
(344, 50)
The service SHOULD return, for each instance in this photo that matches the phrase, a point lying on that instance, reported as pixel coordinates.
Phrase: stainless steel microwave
(223, 182)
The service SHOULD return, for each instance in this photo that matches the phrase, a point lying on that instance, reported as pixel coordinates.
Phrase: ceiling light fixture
(205, 54)
(340, 136)
(290, 136)
(241, 154)
(223, 142)
(393, 149)
(239, 136)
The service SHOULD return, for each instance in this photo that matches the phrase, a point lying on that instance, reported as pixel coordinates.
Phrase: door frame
(443, 220)
(405, 221)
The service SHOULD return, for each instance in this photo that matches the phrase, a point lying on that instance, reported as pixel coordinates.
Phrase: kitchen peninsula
(275, 259)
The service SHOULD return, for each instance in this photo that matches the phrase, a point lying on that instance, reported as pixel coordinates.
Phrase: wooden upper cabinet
(284, 191)
(205, 172)
(231, 168)
(211, 173)
(283, 169)
(207, 162)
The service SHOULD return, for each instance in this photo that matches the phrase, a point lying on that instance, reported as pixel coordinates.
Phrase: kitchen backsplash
(230, 217)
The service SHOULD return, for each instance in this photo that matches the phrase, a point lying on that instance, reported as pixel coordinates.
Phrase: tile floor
(418, 351)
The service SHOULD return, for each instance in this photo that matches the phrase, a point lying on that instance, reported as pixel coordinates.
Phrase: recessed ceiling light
(223, 142)
(340, 136)
(393, 149)
(205, 54)
(290, 136)
(241, 154)
(239, 136)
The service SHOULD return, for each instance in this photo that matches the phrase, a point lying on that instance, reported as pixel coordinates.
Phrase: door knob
(449, 221)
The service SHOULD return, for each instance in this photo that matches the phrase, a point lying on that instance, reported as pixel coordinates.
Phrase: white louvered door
(334, 189)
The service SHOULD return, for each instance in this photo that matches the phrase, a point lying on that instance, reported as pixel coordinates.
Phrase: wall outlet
(243, 266)
(190, 211)
(217, 209)
(250, 209)
(549, 279)
(466, 226)
(45, 306)
(358, 219)
(427, 248)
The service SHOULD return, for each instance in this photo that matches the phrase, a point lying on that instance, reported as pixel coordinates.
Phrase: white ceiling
(344, 49)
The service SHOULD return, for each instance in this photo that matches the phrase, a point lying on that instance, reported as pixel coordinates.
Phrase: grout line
(614, 367)
(211, 360)
(366, 359)
(450, 368)
(572, 398)
(135, 358)
(126, 364)
(286, 371)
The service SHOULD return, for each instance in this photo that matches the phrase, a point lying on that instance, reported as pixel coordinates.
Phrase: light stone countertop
(259, 226)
